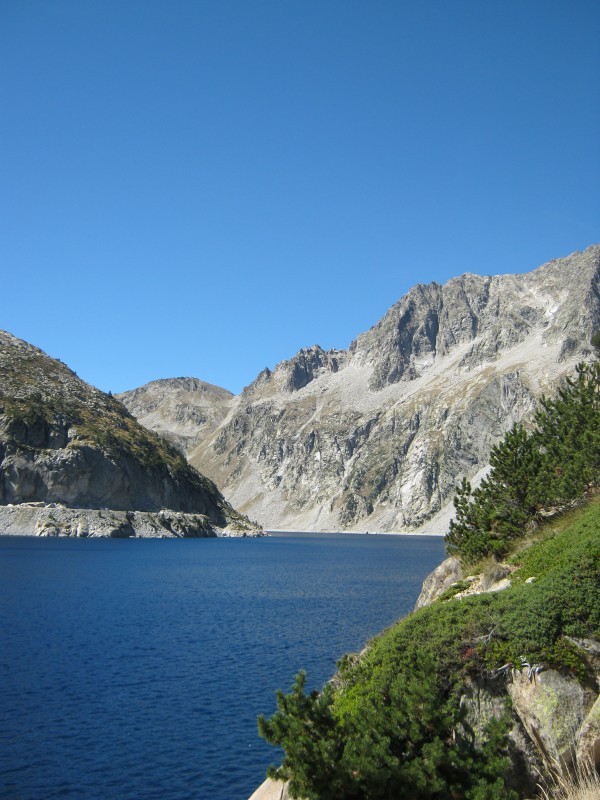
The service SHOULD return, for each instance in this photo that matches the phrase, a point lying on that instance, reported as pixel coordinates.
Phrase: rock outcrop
(63, 441)
(437, 582)
(272, 790)
(484, 700)
(54, 519)
(552, 709)
(377, 437)
(588, 743)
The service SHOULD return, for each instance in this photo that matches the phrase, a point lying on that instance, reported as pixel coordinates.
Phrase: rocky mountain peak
(296, 373)
(378, 436)
(179, 409)
(496, 313)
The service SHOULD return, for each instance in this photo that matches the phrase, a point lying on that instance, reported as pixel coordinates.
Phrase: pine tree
(509, 489)
(393, 739)
(545, 470)
(467, 537)
(498, 511)
(305, 727)
(568, 435)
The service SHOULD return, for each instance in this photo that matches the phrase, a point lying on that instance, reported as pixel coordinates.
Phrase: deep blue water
(135, 668)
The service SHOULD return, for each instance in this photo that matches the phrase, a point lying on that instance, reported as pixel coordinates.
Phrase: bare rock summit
(181, 410)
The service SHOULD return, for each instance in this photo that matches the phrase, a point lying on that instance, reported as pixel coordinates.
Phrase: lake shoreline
(354, 533)
(57, 520)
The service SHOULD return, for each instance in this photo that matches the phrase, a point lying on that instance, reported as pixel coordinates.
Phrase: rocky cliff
(63, 441)
(376, 437)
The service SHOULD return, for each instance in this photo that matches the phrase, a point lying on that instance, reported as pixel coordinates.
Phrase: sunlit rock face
(376, 437)
(182, 410)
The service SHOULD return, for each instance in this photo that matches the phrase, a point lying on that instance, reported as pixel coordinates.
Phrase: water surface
(135, 668)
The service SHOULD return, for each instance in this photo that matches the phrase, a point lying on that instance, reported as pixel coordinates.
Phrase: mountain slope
(377, 436)
(181, 410)
(63, 441)
(484, 691)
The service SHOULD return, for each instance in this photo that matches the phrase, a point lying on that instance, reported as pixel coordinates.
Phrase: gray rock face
(484, 700)
(436, 583)
(62, 441)
(377, 437)
(552, 709)
(57, 520)
(588, 743)
(181, 410)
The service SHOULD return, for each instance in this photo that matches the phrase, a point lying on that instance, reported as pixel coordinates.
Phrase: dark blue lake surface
(136, 668)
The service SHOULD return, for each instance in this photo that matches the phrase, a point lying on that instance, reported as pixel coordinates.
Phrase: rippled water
(136, 668)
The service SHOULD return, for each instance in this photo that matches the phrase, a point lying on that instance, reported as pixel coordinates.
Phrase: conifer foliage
(394, 726)
(394, 740)
(532, 472)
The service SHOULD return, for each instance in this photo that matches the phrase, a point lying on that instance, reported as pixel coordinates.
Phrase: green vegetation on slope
(532, 473)
(390, 724)
(50, 395)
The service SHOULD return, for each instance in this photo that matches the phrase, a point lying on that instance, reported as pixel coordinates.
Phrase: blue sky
(202, 188)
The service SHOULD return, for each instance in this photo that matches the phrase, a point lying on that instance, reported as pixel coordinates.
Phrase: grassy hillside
(480, 633)
(387, 726)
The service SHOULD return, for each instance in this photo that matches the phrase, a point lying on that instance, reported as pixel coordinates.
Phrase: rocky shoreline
(55, 519)
(555, 716)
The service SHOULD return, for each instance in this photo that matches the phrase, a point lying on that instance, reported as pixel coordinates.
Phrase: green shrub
(393, 738)
(385, 728)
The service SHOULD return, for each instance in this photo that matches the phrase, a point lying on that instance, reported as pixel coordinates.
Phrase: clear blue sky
(202, 188)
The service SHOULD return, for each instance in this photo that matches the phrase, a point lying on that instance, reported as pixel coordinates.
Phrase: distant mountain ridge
(179, 409)
(377, 436)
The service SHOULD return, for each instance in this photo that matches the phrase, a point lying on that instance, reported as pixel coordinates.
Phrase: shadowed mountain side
(64, 441)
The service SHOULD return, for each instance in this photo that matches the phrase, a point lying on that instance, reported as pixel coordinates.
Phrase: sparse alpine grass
(582, 784)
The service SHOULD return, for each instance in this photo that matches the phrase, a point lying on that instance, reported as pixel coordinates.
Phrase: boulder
(552, 708)
(500, 586)
(484, 700)
(437, 582)
(588, 743)
(272, 790)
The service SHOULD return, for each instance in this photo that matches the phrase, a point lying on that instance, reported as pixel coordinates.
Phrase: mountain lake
(135, 668)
